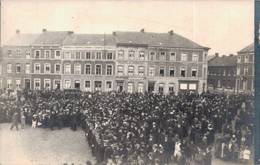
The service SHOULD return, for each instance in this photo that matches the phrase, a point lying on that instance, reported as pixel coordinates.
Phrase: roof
(89, 39)
(156, 39)
(22, 40)
(250, 48)
(230, 60)
(51, 38)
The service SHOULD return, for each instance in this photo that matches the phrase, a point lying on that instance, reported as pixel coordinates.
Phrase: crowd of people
(123, 128)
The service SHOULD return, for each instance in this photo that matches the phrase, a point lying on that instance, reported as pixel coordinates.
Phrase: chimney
(70, 32)
(44, 30)
(17, 31)
(216, 54)
(171, 32)
(231, 55)
(114, 33)
(142, 30)
(224, 56)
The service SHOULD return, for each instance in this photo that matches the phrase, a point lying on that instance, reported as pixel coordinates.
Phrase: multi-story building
(47, 59)
(88, 62)
(222, 73)
(159, 62)
(245, 70)
(122, 61)
(16, 64)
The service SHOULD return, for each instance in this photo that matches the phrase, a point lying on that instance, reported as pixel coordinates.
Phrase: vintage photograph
(127, 82)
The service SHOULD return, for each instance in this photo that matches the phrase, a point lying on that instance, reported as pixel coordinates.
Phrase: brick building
(222, 72)
(16, 62)
(245, 70)
(122, 61)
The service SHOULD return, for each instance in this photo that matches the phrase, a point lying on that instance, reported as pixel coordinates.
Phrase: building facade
(122, 61)
(245, 70)
(222, 73)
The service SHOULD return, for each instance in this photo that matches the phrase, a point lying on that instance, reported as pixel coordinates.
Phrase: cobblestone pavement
(42, 146)
(45, 147)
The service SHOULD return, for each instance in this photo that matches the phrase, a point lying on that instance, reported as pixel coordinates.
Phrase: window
(141, 70)
(151, 71)
(152, 56)
(109, 69)
(130, 70)
(18, 51)
(18, 84)
(120, 70)
(238, 70)
(67, 55)
(192, 86)
(47, 68)
(98, 85)
(87, 85)
(141, 55)
(77, 84)
(161, 71)
(77, 55)
(77, 69)
(183, 86)
(172, 72)
(195, 58)
(238, 59)
(131, 54)
(88, 55)
(205, 56)
(37, 54)
(67, 69)
(140, 87)
(130, 87)
(37, 68)
(98, 55)
(57, 54)
(171, 88)
(0, 69)
(172, 56)
(88, 69)
(83, 55)
(109, 86)
(67, 84)
(56, 84)
(27, 54)
(1, 83)
(37, 84)
(27, 68)
(109, 56)
(121, 54)
(246, 59)
(57, 68)
(183, 57)
(9, 52)
(47, 54)
(18, 68)
(162, 56)
(9, 68)
(246, 70)
(161, 88)
(98, 69)
(9, 83)
(193, 72)
(47, 84)
(183, 72)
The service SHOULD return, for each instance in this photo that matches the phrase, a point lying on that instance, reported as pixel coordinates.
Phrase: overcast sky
(226, 26)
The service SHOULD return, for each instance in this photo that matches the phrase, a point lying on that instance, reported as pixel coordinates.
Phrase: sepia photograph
(127, 82)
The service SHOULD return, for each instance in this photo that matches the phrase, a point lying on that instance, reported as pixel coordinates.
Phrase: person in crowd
(148, 128)
(15, 121)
